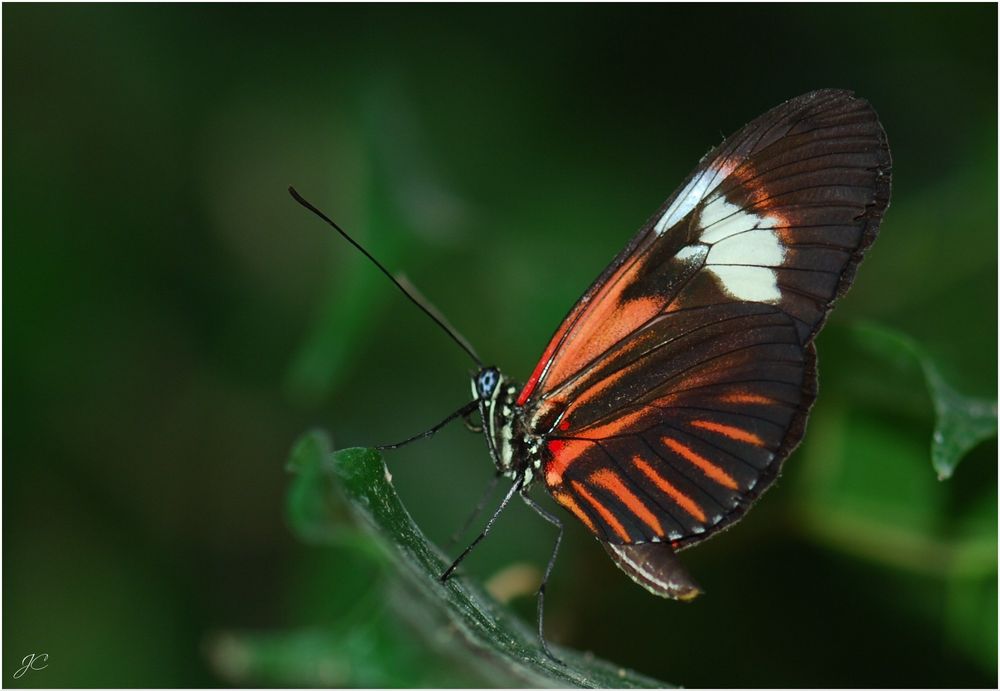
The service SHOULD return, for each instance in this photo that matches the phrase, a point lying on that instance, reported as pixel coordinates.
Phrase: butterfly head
(485, 383)
(497, 407)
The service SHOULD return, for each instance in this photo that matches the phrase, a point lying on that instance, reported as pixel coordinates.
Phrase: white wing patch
(692, 252)
(689, 197)
(692, 194)
(759, 247)
(748, 283)
(744, 250)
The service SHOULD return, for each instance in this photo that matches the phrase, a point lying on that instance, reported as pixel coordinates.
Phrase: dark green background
(173, 321)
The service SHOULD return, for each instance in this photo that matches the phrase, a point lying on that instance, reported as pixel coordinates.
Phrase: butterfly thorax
(515, 453)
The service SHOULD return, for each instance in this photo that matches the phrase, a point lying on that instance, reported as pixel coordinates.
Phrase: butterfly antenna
(428, 306)
(437, 320)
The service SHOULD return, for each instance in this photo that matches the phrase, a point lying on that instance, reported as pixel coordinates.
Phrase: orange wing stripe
(710, 469)
(570, 503)
(744, 397)
(683, 500)
(609, 480)
(606, 514)
(729, 431)
(618, 425)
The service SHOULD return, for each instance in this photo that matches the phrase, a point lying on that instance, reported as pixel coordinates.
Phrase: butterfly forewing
(680, 381)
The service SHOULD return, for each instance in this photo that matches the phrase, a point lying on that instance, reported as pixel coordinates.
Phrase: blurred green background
(173, 321)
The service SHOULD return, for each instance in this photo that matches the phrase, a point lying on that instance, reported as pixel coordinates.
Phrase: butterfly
(668, 399)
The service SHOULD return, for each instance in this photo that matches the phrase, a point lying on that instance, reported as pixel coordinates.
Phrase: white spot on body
(506, 448)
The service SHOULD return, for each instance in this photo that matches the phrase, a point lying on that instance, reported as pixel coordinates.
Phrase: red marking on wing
(604, 511)
(711, 470)
(609, 480)
(729, 431)
(563, 453)
(683, 500)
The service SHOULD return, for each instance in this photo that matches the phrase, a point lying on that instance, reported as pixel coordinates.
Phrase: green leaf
(971, 604)
(369, 655)
(864, 489)
(962, 421)
(454, 617)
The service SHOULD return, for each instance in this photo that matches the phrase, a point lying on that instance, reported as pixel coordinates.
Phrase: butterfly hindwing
(682, 436)
(677, 385)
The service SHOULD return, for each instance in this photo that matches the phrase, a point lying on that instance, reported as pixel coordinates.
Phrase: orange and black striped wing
(675, 441)
(680, 381)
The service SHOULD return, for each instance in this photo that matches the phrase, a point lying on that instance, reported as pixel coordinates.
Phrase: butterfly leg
(462, 412)
(476, 511)
(503, 505)
(548, 570)
(470, 425)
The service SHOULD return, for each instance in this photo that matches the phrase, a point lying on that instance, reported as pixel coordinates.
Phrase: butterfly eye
(487, 381)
